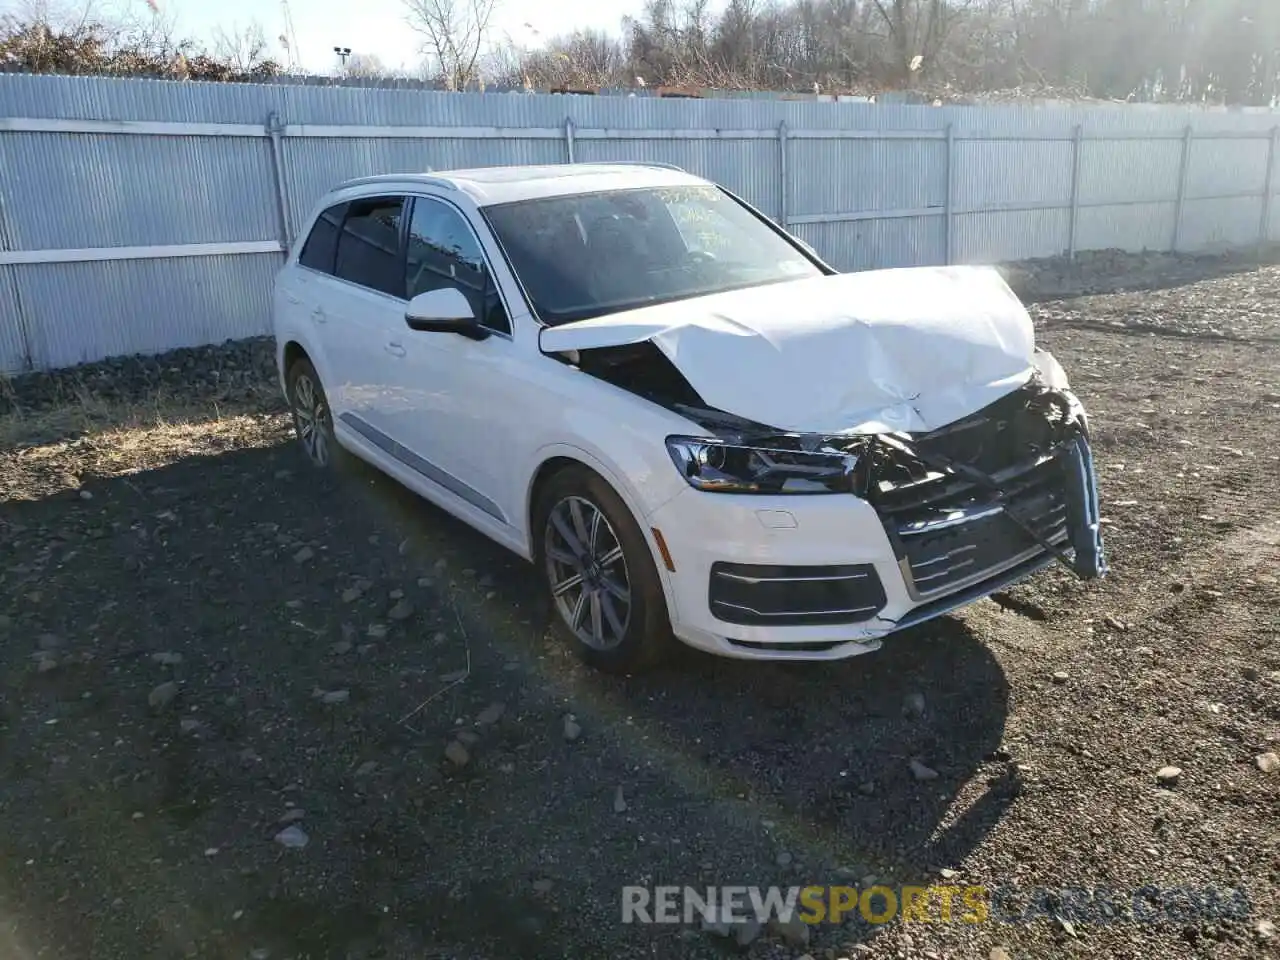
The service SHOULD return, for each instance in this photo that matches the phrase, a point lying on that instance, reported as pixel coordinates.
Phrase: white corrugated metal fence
(139, 216)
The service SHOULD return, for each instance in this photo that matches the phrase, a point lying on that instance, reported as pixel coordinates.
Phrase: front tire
(605, 593)
(312, 416)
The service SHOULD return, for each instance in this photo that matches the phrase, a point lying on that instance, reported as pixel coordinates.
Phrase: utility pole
(343, 53)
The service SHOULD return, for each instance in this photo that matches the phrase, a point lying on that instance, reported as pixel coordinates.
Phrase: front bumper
(826, 577)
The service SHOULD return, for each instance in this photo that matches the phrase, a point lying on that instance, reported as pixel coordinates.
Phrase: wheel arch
(557, 458)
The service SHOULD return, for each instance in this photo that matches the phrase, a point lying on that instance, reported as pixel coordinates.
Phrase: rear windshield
(592, 254)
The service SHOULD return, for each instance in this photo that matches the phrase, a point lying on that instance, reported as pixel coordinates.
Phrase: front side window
(442, 251)
(592, 254)
(369, 244)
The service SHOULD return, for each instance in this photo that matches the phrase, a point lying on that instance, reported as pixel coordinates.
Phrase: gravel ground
(246, 713)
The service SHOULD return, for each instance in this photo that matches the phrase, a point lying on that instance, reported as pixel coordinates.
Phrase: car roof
(493, 185)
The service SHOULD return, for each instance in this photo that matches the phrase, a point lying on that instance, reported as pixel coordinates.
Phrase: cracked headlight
(709, 464)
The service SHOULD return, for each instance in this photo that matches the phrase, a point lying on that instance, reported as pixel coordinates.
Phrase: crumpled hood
(909, 349)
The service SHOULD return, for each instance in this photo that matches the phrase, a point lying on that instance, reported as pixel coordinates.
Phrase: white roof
(492, 185)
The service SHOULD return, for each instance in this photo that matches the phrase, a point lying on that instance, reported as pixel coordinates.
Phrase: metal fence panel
(995, 172)
(848, 176)
(747, 167)
(904, 242)
(1223, 167)
(1122, 171)
(13, 341)
(87, 311)
(72, 190)
(1010, 235)
(77, 192)
(1134, 227)
(1218, 224)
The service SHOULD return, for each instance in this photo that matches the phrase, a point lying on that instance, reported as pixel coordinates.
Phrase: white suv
(685, 419)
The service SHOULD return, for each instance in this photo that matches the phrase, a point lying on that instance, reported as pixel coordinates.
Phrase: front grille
(793, 596)
(945, 544)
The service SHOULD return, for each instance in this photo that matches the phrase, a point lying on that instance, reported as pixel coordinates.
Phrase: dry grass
(86, 435)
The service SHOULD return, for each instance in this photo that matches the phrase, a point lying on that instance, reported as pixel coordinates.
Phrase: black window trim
(413, 199)
(811, 256)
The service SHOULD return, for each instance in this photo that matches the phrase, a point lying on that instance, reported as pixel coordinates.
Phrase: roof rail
(440, 182)
(637, 163)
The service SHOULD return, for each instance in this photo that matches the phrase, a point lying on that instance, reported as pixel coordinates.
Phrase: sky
(379, 27)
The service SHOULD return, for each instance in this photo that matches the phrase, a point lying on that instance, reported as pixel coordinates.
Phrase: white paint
(911, 349)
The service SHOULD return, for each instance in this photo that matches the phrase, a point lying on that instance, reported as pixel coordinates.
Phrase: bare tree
(455, 33)
(242, 49)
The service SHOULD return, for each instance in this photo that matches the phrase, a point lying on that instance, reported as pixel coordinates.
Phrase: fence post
(275, 130)
(1077, 142)
(950, 209)
(1264, 221)
(568, 139)
(784, 184)
(1182, 187)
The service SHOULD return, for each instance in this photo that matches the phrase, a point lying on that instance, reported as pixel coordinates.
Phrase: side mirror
(444, 311)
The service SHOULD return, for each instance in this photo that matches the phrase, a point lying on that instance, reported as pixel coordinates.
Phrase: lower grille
(793, 596)
(947, 545)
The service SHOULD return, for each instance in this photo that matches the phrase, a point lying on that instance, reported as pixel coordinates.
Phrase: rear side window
(369, 245)
(318, 251)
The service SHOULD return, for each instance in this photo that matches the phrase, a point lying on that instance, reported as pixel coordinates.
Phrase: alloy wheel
(588, 573)
(311, 414)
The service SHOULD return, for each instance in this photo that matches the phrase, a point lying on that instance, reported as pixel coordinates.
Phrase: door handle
(395, 349)
(319, 316)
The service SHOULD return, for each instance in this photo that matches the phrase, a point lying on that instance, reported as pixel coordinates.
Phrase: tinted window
(591, 254)
(369, 245)
(443, 252)
(317, 252)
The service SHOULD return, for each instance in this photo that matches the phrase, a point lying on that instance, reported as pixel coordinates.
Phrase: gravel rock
(303, 555)
(999, 953)
(1265, 930)
(1061, 676)
(1268, 762)
(1169, 776)
(794, 931)
(163, 695)
(619, 801)
(49, 641)
(292, 815)
(376, 631)
(403, 610)
(913, 705)
(572, 729)
(921, 772)
(292, 838)
(167, 658)
(490, 715)
(457, 754)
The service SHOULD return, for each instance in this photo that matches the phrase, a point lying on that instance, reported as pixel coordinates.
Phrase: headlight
(709, 464)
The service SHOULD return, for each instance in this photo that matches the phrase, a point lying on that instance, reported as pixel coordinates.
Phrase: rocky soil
(250, 712)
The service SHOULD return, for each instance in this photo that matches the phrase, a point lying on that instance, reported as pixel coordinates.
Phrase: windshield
(587, 255)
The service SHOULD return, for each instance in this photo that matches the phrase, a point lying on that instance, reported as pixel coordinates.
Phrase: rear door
(359, 312)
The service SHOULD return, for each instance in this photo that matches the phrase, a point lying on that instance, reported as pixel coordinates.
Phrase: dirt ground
(206, 651)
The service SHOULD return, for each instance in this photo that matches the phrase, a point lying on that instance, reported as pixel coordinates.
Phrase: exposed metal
(136, 188)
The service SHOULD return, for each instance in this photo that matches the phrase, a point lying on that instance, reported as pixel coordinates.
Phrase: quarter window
(443, 251)
(318, 251)
(369, 245)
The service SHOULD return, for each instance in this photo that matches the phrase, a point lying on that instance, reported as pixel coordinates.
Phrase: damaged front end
(984, 496)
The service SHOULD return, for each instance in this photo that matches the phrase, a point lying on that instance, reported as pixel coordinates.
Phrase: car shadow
(268, 581)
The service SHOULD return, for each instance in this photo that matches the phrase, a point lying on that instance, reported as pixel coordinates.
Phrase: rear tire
(312, 416)
(606, 597)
